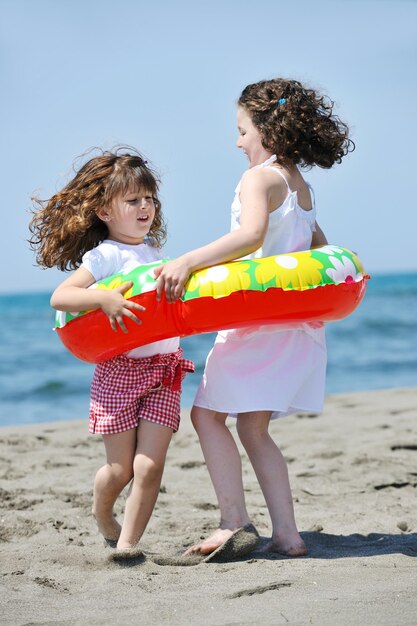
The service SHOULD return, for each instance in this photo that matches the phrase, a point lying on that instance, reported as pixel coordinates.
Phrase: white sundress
(278, 368)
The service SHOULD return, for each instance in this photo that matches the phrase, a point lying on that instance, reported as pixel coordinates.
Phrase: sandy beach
(354, 475)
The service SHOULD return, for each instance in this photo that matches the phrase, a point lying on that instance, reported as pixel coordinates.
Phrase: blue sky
(164, 77)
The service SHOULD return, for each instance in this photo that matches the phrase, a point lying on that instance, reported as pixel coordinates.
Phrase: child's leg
(225, 468)
(112, 478)
(271, 470)
(148, 466)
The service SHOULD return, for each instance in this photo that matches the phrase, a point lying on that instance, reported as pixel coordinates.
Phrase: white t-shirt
(112, 257)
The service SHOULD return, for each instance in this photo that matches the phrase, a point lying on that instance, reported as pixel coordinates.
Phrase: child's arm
(254, 196)
(319, 238)
(73, 295)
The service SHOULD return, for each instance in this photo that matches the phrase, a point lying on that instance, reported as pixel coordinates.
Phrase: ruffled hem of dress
(276, 413)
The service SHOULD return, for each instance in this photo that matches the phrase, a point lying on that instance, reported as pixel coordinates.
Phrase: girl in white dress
(259, 373)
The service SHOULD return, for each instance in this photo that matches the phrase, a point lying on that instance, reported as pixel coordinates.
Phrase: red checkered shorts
(125, 390)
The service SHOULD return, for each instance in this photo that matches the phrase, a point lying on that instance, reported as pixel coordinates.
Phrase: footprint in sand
(51, 583)
(13, 500)
(191, 464)
(257, 590)
(21, 528)
(205, 506)
(395, 485)
(330, 454)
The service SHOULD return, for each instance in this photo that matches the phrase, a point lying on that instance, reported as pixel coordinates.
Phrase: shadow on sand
(325, 546)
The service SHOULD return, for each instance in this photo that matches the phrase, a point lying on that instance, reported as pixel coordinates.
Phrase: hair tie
(281, 101)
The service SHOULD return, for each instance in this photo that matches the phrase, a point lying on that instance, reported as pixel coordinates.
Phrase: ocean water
(374, 348)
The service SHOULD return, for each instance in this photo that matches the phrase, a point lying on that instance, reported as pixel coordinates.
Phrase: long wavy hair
(67, 225)
(296, 123)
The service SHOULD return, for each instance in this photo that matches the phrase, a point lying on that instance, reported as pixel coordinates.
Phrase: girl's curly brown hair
(66, 226)
(296, 123)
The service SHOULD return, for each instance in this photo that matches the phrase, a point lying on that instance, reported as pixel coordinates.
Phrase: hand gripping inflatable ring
(324, 284)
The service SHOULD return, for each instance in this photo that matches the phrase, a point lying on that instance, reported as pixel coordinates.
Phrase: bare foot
(109, 527)
(214, 541)
(287, 546)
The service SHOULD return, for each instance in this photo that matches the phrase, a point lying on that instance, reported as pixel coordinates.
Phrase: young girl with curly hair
(108, 220)
(259, 373)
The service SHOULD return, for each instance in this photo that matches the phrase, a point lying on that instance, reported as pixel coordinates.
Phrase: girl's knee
(243, 433)
(203, 418)
(197, 415)
(146, 469)
(251, 433)
(116, 476)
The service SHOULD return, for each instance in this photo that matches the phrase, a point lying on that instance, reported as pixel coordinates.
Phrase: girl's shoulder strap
(313, 197)
(275, 169)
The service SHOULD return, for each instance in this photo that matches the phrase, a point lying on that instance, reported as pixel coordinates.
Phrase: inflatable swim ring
(324, 284)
